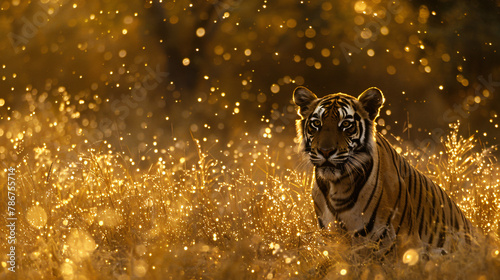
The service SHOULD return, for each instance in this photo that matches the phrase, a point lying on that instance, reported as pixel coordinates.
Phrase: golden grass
(100, 217)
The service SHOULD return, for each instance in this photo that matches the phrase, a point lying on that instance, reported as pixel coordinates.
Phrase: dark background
(117, 72)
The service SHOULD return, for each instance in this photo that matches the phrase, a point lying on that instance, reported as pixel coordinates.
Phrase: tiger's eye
(316, 123)
(345, 124)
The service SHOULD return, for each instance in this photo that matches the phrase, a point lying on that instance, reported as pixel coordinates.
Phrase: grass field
(155, 139)
(95, 214)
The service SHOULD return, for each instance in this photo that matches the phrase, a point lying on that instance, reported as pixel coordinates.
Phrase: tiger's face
(336, 131)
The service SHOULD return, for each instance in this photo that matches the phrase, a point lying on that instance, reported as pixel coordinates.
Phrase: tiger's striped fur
(363, 186)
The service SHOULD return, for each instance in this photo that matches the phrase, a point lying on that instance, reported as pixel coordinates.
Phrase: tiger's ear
(303, 98)
(372, 100)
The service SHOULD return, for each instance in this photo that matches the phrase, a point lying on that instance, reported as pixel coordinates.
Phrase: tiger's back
(405, 202)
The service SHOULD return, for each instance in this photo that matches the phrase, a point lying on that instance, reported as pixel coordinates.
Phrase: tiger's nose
(327, 152)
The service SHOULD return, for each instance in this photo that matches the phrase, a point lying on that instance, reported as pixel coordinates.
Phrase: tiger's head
(337, 131)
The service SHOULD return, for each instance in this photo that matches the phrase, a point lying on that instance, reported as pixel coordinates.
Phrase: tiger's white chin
(329, 173)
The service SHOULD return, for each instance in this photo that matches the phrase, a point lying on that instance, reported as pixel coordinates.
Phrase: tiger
(363, 187)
